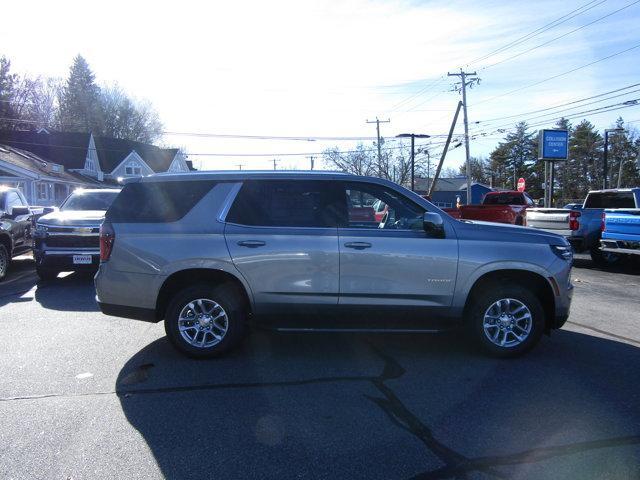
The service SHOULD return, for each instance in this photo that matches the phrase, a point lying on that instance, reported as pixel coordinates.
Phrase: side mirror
(18, 211)
(433, 224)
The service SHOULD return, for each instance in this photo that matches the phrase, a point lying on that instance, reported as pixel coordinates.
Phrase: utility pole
(311, 158)
(239, 165)
(463, 77)
(378, 122)
(274, 163)
(432, 187)
(413, 137)
(605, 166)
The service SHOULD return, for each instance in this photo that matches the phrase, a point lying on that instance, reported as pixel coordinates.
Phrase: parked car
(16, 221)
(583, 227)
(68, 239)
(621, 234)
(209, 252)
(501, 207)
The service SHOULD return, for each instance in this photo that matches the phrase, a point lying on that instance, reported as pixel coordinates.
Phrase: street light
(413, 137)
(605, 167)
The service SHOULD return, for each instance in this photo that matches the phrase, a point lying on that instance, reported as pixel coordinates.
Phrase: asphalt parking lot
(86, 396)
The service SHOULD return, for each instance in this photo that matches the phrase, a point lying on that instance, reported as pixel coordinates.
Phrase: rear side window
(157, 202)
(503, 199)
(285, 204)
(610, 200)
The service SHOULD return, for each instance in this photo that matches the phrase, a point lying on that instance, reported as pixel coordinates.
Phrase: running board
(358, 330)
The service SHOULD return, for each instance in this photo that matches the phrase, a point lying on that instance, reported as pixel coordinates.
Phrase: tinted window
(89, 201)
(359, 211)
(284, 204)
(503, 199)
(152, 202)
(610, 200)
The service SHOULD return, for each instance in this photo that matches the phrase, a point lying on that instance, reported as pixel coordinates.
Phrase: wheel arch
(184, 278)
(533, 281)
(5, 240)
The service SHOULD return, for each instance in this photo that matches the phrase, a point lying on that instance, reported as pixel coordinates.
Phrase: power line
(559, 75)
(559, 37)
(540, 30)
(490, 120)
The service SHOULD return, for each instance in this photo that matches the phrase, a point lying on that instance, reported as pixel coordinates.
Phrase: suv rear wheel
(506, 321)
(204, 321)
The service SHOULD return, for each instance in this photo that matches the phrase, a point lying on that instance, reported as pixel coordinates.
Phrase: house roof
(112, 151)
(29, 161)
(70, 149)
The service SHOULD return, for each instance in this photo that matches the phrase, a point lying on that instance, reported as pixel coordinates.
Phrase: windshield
(89, 201)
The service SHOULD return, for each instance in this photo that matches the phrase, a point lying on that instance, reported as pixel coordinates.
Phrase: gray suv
(212, 252)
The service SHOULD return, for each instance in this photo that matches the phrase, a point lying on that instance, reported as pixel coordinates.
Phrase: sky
(323, 68)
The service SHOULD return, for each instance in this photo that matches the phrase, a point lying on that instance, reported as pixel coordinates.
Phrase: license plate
(82, 259)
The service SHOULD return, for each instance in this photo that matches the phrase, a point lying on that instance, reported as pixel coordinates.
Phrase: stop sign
(521, 184)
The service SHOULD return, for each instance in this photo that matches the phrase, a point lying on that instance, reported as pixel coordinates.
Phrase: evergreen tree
(80, 108)
(584, 167)
(515, 157)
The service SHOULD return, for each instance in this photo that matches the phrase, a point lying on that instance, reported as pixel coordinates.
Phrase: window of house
(42, 190)
(132, 168)
(13, 200)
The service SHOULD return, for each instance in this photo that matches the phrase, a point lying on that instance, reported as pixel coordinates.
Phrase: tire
(605, 259)
(495, 299)
(5, 261)
(46, 274)
(200, 338)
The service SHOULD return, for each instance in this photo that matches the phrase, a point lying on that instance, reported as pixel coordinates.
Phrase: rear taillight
(574, 222)
(602, 224)
(107, 238)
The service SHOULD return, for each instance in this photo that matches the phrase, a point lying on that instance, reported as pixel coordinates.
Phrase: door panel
(400, 268)
(392, 262)
(285, 266)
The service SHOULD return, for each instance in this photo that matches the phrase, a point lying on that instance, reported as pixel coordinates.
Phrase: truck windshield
(610, 200)
(89, 201)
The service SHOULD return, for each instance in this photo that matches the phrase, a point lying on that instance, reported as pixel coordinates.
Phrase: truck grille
(73, 241)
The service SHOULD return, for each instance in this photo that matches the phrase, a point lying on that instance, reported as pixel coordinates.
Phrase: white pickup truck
(583, 226)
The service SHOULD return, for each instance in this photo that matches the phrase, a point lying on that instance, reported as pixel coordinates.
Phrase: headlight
(565, 252)
(40, 228)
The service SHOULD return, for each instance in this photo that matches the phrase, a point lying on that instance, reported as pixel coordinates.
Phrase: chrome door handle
(252, 243)
(358, 245)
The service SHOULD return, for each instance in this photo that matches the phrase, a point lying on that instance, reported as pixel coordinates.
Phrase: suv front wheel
(506, 321)
(204, 321)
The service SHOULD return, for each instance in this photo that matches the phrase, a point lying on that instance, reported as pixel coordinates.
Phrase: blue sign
(554, 145)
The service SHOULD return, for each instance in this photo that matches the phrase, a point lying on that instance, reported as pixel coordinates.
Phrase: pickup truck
(16, 221)
(68, 239)
(500, 207)
(583, 227)
(621, 234)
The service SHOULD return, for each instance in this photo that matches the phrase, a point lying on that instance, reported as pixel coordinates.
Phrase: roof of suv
(245, 174)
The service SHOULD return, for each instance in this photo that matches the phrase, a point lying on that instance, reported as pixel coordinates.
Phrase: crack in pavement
(456, 465)
(528, 456)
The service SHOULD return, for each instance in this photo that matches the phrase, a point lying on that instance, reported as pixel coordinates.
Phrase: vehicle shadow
(394, 406)
(72, 292)
(20, 278)
(630, 266)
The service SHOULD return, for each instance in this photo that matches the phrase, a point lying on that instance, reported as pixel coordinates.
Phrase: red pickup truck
(501, 207)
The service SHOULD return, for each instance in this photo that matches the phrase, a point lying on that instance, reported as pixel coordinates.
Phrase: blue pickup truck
(583, 227)
(621, 234)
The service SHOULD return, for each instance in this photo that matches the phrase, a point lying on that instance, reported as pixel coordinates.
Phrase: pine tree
(515, 157)
(80, 107)
(584, 167)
